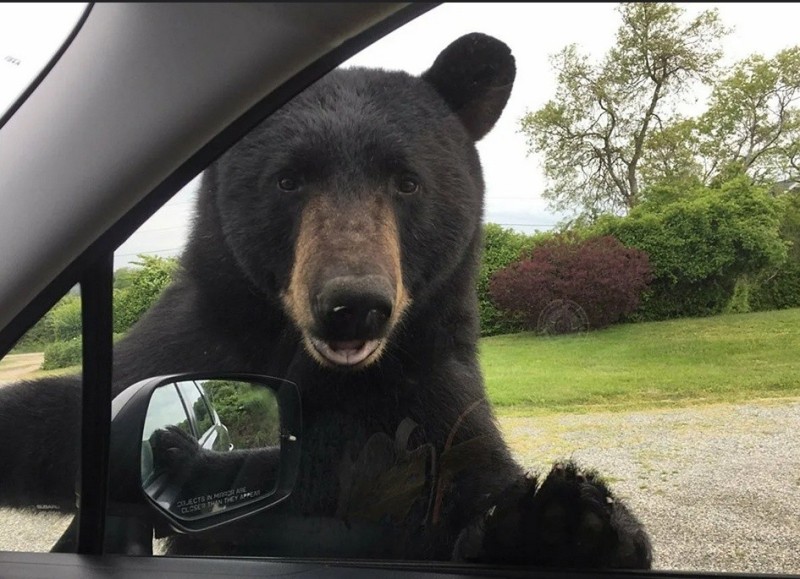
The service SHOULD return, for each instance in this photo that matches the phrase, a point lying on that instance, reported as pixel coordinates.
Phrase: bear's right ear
(474, 75)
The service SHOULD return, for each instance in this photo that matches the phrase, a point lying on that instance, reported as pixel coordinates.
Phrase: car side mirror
(207, 448)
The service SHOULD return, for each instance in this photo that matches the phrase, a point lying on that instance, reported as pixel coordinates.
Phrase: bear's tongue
(347, 348)
(346, 352)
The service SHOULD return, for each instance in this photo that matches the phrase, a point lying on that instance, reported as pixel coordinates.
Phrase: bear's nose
(354, 307)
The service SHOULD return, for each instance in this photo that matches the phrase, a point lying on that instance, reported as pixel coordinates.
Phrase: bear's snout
(354, 308)
(346, 291)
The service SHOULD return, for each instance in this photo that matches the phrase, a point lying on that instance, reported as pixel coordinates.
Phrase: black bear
(337, 246)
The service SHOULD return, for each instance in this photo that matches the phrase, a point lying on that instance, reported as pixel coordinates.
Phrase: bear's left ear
(474, 75)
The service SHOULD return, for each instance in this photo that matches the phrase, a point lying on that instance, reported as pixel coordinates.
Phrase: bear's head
(358, 199)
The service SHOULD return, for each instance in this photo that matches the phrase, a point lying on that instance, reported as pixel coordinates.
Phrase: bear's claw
(570, 520)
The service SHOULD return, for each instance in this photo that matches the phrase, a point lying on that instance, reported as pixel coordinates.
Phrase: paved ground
(718, 487)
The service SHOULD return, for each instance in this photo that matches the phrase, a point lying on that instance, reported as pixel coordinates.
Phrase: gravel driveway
(718, 487)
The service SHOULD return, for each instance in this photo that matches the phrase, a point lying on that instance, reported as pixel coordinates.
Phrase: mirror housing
(127, 497)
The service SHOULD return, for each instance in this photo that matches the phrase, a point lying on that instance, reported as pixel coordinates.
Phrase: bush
(780, 288)
(599, 274)
(777, 290)
(66, 353)
(144, 286)
(37, 336)
(740, 300)
(501, 247)
(62, 354)
(700, 245)
(66, 318)
(61, 323)
(249, 412)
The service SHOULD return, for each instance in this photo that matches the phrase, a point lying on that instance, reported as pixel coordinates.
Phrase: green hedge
(777, 291)
(65, 353)
(143, 287)
(501, 247)
(62, 354)
(61, 323)
(700, 246)
(780, 288)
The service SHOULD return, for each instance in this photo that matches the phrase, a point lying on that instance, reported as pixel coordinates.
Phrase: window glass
(650, 335)
(632, 306)
(40, 400)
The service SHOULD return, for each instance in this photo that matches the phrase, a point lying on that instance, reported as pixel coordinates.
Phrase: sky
(533, 31)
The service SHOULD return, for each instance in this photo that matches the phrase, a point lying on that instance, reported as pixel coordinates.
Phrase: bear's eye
(407, 184)
(288, 184)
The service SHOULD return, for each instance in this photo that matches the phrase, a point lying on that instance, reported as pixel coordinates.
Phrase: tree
(671, 157)
(593, 134)
(752, 123)
(751, 127)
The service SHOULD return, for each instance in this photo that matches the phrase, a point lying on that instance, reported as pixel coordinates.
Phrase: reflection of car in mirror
(187, 405)
(184, 405)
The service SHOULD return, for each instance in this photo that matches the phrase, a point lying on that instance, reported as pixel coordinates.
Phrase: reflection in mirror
(210, 446)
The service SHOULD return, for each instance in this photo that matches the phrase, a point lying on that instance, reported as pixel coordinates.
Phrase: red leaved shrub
(605, 278)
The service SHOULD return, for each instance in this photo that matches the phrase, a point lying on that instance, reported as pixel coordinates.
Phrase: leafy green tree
(671, 158)
(148, 280)
(593, 134)
(752, 124)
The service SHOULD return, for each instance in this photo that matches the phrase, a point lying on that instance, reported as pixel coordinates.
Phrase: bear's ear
(474, 75)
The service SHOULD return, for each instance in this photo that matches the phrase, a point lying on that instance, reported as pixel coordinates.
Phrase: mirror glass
(210, 446)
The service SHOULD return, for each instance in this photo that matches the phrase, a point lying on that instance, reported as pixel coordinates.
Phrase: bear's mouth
(346, 352)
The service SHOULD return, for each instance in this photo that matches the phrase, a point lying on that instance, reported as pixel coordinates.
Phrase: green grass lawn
(722, 358)
(730, 357)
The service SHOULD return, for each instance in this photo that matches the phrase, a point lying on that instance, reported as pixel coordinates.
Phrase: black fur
(347, 137)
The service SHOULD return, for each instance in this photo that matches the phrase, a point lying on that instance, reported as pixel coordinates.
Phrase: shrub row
(709, 249)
